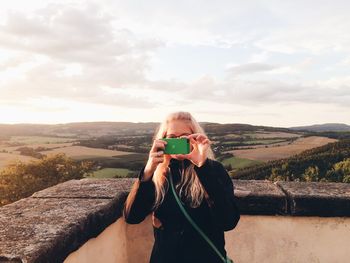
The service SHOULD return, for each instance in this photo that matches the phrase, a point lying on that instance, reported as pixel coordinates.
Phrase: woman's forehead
(178, 128)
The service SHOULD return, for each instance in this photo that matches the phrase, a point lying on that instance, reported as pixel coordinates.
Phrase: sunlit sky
(275, 63)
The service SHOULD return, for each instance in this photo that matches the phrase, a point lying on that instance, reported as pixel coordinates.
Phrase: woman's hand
(200, 144)
(155, 157)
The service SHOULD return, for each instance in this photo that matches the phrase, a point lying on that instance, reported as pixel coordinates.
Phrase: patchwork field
(5, 158)
(12, 149)
(261, 135)
(82, 152)
(278, 152)
(8, 149)
(39, 139)
(237, 162)
(249, 148)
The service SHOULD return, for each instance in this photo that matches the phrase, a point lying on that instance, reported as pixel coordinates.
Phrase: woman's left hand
(200, 144)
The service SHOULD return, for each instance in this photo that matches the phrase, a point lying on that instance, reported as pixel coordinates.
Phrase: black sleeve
(220, 189)
(143, 200)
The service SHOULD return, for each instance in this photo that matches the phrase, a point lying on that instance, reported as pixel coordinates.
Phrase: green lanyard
(225, 260)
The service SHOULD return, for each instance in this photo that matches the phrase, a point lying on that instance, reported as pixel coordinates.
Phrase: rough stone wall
(54, 222)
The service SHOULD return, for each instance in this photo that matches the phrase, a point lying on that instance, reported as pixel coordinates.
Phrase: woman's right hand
(156, 156)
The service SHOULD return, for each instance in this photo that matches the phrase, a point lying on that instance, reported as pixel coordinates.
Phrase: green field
(263, 141)
(254, 142)
(237, 162)
(232, 135)
(111, 173)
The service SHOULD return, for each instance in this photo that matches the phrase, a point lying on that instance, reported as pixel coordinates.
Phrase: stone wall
(77, 220)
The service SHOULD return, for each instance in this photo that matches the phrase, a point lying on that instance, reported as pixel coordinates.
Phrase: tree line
(327, 163)
(19, 179)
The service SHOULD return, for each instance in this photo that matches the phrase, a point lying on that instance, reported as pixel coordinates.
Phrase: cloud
(90, 54)
(72, 33)
(251, 68)
(58, 36)
(45, 80)
(265, 69)
(13, 62)
(255, 93)
(316, 33)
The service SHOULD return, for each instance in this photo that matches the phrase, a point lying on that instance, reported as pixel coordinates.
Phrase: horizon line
(30, 123)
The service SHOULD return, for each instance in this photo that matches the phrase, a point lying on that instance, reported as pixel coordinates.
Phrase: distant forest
(328, 163)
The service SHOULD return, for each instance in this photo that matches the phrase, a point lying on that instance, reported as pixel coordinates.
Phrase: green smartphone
(177, 146)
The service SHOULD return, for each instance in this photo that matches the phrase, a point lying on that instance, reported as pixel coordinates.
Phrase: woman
(201, 182)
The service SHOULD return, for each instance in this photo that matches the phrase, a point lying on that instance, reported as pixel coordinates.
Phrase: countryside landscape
(120, 149)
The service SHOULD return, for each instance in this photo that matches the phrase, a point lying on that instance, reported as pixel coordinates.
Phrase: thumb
(167, 157)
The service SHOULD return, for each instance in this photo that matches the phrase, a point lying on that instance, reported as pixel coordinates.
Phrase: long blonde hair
(189, 186)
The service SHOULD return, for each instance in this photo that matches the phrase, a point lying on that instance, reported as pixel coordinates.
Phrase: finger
(157, 145)
(198, 136)
(167, 156)
(193, 141)
(159, 159)
(161, 142)
(194, 145)
(193, 135)
(156, 154)
(206, 141)
(201, 138)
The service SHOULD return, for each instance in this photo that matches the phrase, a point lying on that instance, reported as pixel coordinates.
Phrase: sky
(274, 63)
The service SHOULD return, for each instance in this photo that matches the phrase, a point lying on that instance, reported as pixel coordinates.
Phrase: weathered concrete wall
(256, 239)
(80, 221)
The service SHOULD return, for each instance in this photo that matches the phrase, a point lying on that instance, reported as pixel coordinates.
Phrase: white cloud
(250, 68)
(79, 50)
(100, 53)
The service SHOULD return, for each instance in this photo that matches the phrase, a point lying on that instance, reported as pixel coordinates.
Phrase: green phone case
(177, 146)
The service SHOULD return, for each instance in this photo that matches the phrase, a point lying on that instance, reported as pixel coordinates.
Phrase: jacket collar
(175, 166)
(178, 163)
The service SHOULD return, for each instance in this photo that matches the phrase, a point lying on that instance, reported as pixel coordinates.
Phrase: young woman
(201, 182)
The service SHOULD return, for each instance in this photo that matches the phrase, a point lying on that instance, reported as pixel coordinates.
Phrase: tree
(19, 180)
(276, 175)
(311, 174)
(342, 170)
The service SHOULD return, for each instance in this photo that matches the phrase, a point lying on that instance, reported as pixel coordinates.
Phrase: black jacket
(176, 241)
